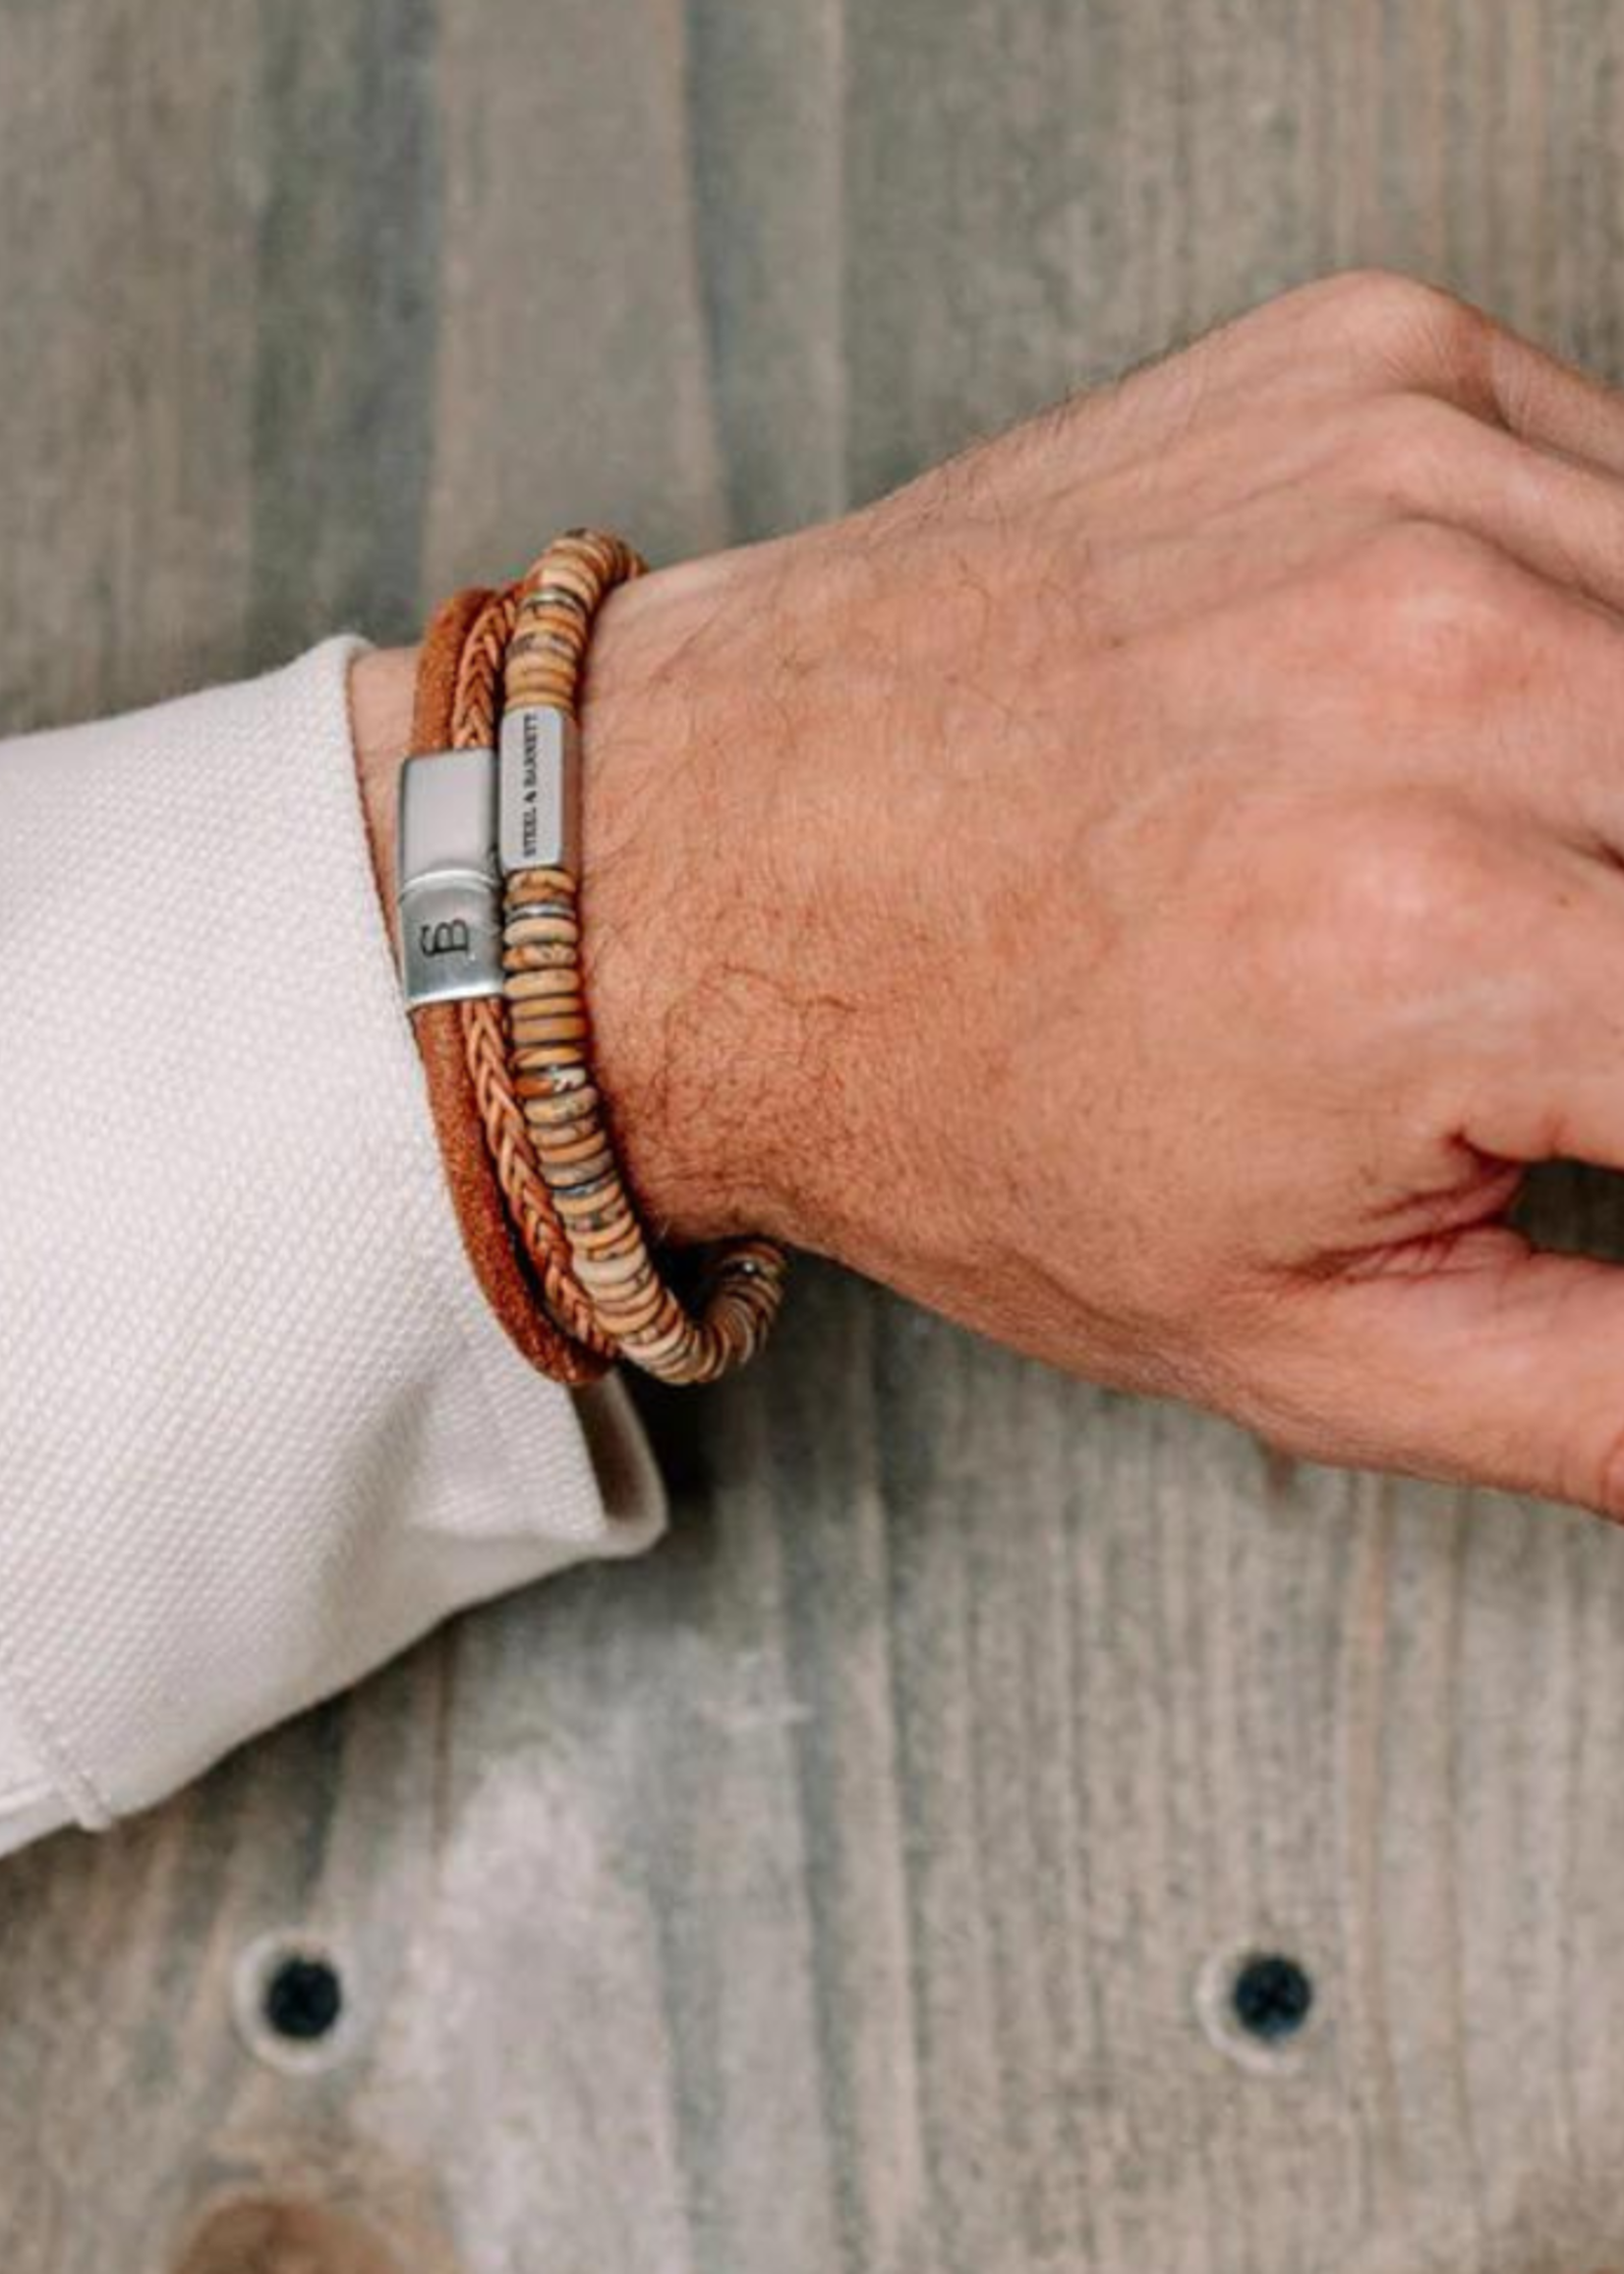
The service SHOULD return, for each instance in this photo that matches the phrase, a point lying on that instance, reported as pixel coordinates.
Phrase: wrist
(694, 923)
(691, 973)
(382, 682)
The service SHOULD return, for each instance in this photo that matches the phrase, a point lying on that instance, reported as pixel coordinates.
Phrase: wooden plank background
(837, 1888)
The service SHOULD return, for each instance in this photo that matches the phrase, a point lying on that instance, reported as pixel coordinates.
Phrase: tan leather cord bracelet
(572, 1233)
(454, 1043)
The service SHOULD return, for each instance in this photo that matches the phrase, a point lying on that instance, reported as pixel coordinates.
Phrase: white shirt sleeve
(258, 1427)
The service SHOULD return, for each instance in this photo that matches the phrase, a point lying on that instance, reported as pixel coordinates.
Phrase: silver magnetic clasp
(448, 883)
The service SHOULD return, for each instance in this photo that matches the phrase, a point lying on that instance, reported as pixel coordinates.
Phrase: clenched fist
(1148, 888)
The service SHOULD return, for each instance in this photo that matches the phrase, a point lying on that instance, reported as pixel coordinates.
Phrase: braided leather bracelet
(594, 1280)
(454, 1040)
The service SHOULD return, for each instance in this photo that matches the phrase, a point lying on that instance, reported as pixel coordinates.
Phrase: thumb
(1490, 1363)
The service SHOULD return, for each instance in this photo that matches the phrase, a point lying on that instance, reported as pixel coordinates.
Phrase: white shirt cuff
(258, 1427)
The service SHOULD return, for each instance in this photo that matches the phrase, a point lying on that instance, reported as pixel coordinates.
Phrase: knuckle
(1427, 563)
(1398, 912)
(1410, 328)
(1407, 447)
(1436, 616)
(1401, 883)
(1371, 296)
(1375, 904)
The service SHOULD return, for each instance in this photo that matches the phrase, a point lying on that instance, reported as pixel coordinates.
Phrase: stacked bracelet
(458, 1027)
(520, 994)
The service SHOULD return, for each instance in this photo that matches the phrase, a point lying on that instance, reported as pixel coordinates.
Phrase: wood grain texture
(836, 1890)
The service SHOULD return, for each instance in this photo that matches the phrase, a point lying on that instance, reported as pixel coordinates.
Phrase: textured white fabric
(258, 1426)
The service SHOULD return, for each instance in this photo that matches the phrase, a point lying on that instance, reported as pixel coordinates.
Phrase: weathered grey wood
(833, 1890)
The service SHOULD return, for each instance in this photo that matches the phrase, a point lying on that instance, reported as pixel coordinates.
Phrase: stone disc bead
(538, 1026)
(544, 986)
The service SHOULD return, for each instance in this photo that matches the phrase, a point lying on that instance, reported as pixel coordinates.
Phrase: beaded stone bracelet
(521, 1002)
(742, 1283)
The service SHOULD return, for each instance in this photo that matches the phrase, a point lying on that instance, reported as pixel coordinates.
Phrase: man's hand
(1148, 887)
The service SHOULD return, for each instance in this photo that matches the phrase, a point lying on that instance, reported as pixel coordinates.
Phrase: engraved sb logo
(448, 938)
